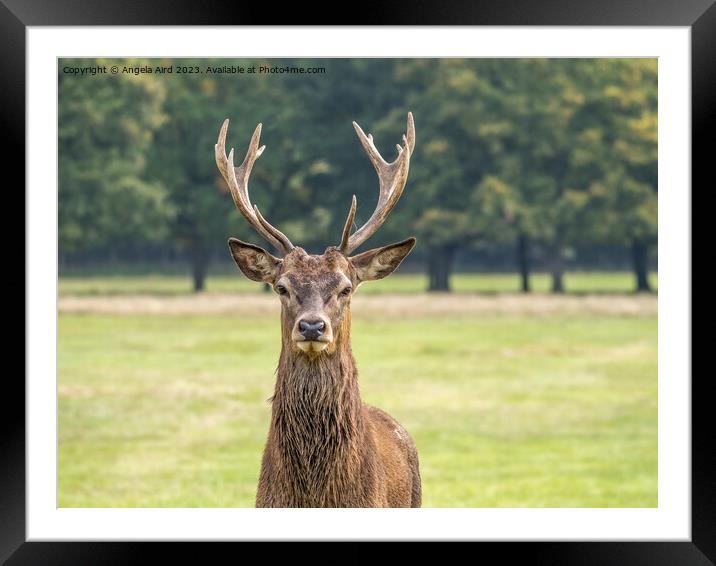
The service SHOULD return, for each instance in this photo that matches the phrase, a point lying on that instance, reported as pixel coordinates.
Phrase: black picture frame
(17, 15)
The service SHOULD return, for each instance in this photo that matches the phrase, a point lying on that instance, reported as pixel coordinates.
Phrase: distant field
(507, 411)
(578, 282)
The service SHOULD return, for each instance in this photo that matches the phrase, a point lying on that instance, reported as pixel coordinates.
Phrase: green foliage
(560, 151)
(548, 147)
(619, 158)
(107, 125)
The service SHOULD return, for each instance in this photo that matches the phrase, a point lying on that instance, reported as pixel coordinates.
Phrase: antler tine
(237, 178)
(392, 178)
(348, 225)
(275, 232)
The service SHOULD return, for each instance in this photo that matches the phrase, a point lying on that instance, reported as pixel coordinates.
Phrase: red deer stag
(325, 447)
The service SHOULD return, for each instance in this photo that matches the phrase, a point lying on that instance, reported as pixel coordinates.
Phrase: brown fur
(325, 447)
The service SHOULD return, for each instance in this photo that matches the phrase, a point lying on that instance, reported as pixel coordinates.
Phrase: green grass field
(579, 282)
(506, 411)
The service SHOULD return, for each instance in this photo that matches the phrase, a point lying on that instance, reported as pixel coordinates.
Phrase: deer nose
(311, 330)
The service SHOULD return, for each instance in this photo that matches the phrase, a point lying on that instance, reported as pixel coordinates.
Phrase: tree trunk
(640, 263)
(440, 260)
(199, 264)
(523, 261)
(557, 267)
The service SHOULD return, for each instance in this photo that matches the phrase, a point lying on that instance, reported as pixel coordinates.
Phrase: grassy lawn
(506, 411)
(578, 282)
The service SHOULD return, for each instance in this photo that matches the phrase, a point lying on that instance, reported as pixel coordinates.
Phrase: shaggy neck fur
(317, 427)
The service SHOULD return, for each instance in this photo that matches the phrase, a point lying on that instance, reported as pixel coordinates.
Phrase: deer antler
(392, 178)
(238, 180)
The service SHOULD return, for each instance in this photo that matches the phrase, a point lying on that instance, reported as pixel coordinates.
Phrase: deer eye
(346, 292)
(281, 290)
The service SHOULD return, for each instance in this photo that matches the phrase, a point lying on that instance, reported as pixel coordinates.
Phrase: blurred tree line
(536, 157)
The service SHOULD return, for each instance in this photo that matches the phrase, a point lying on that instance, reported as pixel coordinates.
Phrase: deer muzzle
(312, 334)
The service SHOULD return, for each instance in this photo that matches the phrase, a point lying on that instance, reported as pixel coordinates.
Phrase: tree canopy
(538, 156)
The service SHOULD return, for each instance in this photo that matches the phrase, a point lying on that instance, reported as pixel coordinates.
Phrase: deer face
(316, 290)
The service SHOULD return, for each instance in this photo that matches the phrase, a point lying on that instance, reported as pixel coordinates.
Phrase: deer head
(315, 290)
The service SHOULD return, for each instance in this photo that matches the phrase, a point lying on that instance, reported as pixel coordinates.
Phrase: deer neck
(316, 408)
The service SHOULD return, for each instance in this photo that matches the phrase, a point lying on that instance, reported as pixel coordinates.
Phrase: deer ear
(381, 262)
(255, 262)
